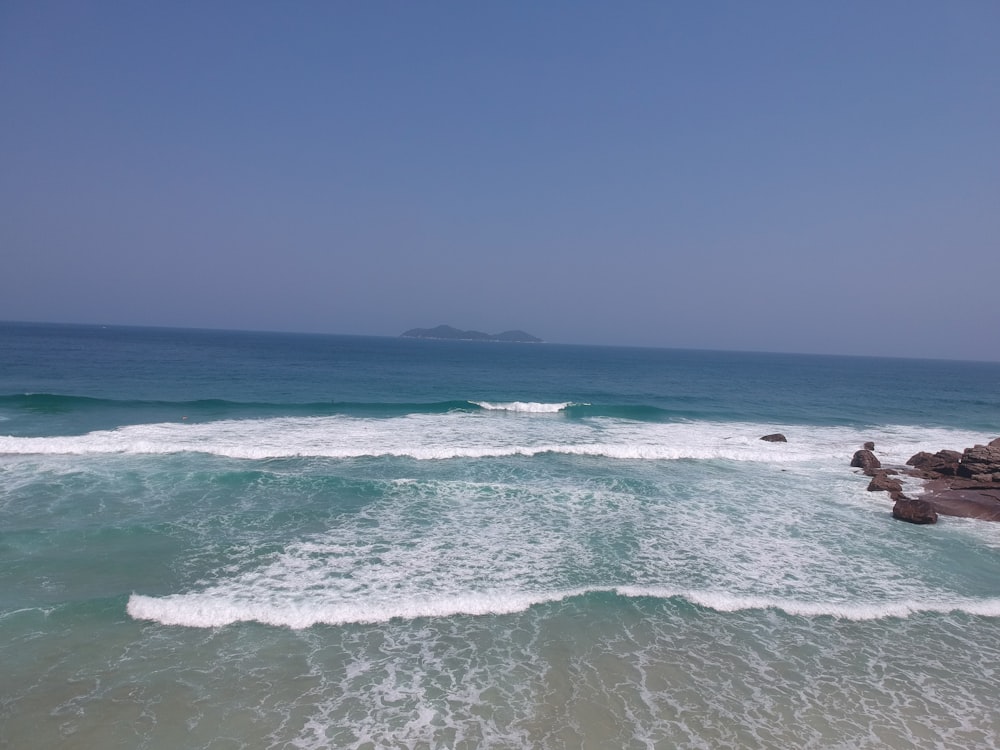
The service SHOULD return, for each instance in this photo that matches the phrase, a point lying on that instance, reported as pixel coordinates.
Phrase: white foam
(730, 535)
(845, 610)
(206, 611)
(211, 610)
(531, 407)
(483, 434)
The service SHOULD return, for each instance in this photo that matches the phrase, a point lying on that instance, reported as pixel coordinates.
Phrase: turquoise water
(234, 540)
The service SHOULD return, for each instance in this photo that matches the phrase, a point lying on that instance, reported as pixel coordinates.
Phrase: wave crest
(531, 407)
(469, 434)
(208, 610)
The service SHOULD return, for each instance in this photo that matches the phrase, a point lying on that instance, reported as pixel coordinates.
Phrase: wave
(530, 407)
(53, 403)
(64, 446)
(134, 411)
(636, 412)
(724, 602)
(213, 610)
(467, 434)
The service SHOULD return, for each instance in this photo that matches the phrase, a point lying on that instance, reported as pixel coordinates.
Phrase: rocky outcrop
(932, 465)
(776, 437)
(965, 484)
(914, 511)
(981, 463)
(865, 460)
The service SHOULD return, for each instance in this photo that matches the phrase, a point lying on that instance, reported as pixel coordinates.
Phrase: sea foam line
(207, 610)
(252, 451)
(481, 435)
(213, 610)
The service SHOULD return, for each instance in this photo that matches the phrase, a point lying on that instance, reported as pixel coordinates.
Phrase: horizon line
(544, 342)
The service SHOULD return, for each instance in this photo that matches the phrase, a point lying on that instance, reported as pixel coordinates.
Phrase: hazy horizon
(778, 177)
(544, 341)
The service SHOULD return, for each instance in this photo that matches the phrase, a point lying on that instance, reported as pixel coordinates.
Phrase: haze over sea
(257, 540)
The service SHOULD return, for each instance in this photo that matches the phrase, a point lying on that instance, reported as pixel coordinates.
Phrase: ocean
(259, 540)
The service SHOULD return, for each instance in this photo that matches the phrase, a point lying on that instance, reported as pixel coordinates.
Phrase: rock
(943, 463)
(882, 483)
(865, 459)
(914, 511)
(777, 437)
(979, 460)
(869, 446)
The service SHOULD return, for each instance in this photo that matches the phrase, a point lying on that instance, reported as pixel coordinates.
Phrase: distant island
(447, 332)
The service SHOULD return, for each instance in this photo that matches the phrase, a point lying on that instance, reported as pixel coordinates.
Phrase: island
(447, 332)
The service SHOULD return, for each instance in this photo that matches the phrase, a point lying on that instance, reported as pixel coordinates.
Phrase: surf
(463, 434)
(212, 610)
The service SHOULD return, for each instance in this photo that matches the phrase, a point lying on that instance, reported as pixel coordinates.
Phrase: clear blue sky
(778, 176)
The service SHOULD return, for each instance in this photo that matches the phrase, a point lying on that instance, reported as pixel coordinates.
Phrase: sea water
(243, 540)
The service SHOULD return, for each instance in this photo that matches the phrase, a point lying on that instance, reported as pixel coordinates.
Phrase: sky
(818, 177)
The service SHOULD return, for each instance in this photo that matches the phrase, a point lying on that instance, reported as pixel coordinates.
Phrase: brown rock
(777, 437)
(965, 484)
(865, 459)
(914, 511)
(943, 463)
(869, 446)
(979, 459)
(951, 497)
(882, 483)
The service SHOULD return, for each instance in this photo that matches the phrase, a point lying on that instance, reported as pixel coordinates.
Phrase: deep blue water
(139, 372)
(234, 539)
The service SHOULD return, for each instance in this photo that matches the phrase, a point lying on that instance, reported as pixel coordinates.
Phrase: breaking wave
(530, 407)
(214, 610)
(479, 434)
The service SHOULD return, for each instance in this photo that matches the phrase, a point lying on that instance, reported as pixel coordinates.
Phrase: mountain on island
(447, 332)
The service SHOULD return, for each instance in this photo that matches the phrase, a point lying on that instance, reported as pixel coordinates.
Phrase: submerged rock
(776, 437)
